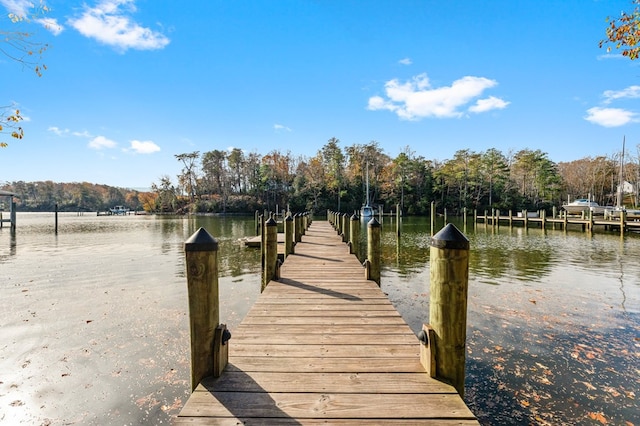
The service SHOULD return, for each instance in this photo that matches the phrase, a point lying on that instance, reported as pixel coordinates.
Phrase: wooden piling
(12, 215)
(201, 252)
(449, 281)
(345, 227)
(288, 235)
(354, 235)
(398, 220)
(372, 270)
(271, 252)
(433, 216)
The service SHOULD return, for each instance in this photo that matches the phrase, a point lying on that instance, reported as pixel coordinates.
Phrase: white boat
(583, 205)
(119, 210)
(366, 211)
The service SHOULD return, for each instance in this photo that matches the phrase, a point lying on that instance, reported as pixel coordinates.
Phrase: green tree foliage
(236, 182)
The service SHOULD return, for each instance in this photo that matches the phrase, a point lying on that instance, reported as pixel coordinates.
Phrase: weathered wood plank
(369, 329)
(235, 421)
(277, 337)
(329, 365)
(322, 382)
(361, 351)
(325, 405)
(326, 321)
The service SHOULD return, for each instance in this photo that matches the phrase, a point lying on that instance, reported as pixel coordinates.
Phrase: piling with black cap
(201, 252)
(271, 252)
(449, 282)
(373, 251)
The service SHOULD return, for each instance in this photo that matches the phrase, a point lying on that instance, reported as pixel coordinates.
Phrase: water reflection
(96, 316)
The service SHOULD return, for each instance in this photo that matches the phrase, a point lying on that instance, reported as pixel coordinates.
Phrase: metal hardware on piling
(201, 252)
(449, 282)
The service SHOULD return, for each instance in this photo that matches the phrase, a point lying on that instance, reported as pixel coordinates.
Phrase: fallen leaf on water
(588, 385)
(599, 417)
(524, 403)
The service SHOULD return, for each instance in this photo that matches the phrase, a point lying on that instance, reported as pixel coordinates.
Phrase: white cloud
(83, 134)
(405, 61)
(51, 24)
(18, 7)
(610, 117)
(416, 99)
(109, 23)
(58, 131)
(278, 127)
(100, 142)
(144, 147)
(488, 104)
(631, 92)
(25, 9)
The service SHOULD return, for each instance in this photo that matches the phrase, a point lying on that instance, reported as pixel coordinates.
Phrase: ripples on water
(95, 329)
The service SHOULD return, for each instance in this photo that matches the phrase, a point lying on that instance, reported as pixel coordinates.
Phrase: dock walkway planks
(324, 346)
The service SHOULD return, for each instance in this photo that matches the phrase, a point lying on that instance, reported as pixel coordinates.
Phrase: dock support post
(298, 228)
(464, 217)
(12, 215)
(372, 264)
(56, 220)
(398, 220)
(345, 227)
(354, 235)
(623, 219)
(288, 235)
(207, 358)
(449, 282)
(271, 252)
(433, 216)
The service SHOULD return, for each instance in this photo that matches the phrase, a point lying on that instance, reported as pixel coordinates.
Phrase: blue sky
(132, 83)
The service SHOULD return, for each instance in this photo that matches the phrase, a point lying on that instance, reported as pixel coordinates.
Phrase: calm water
(94, 326)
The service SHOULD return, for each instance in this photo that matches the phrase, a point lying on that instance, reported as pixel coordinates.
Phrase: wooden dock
(563, 222)
(322, 345)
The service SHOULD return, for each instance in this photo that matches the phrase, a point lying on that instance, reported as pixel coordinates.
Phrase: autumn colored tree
(20, 47)
(624, 32)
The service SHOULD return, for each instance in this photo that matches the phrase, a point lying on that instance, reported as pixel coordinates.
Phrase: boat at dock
(585, 205)
(119, 210)
(367, 211)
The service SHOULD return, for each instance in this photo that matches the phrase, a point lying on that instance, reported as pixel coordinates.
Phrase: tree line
(233, 181)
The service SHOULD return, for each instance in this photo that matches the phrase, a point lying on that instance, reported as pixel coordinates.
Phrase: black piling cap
(271, 222)
(354, 216)
(373, 223)
(289, 218)
(450, 237)
(201, 240)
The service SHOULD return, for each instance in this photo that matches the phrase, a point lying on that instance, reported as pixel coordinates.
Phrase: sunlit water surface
(94, 321)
